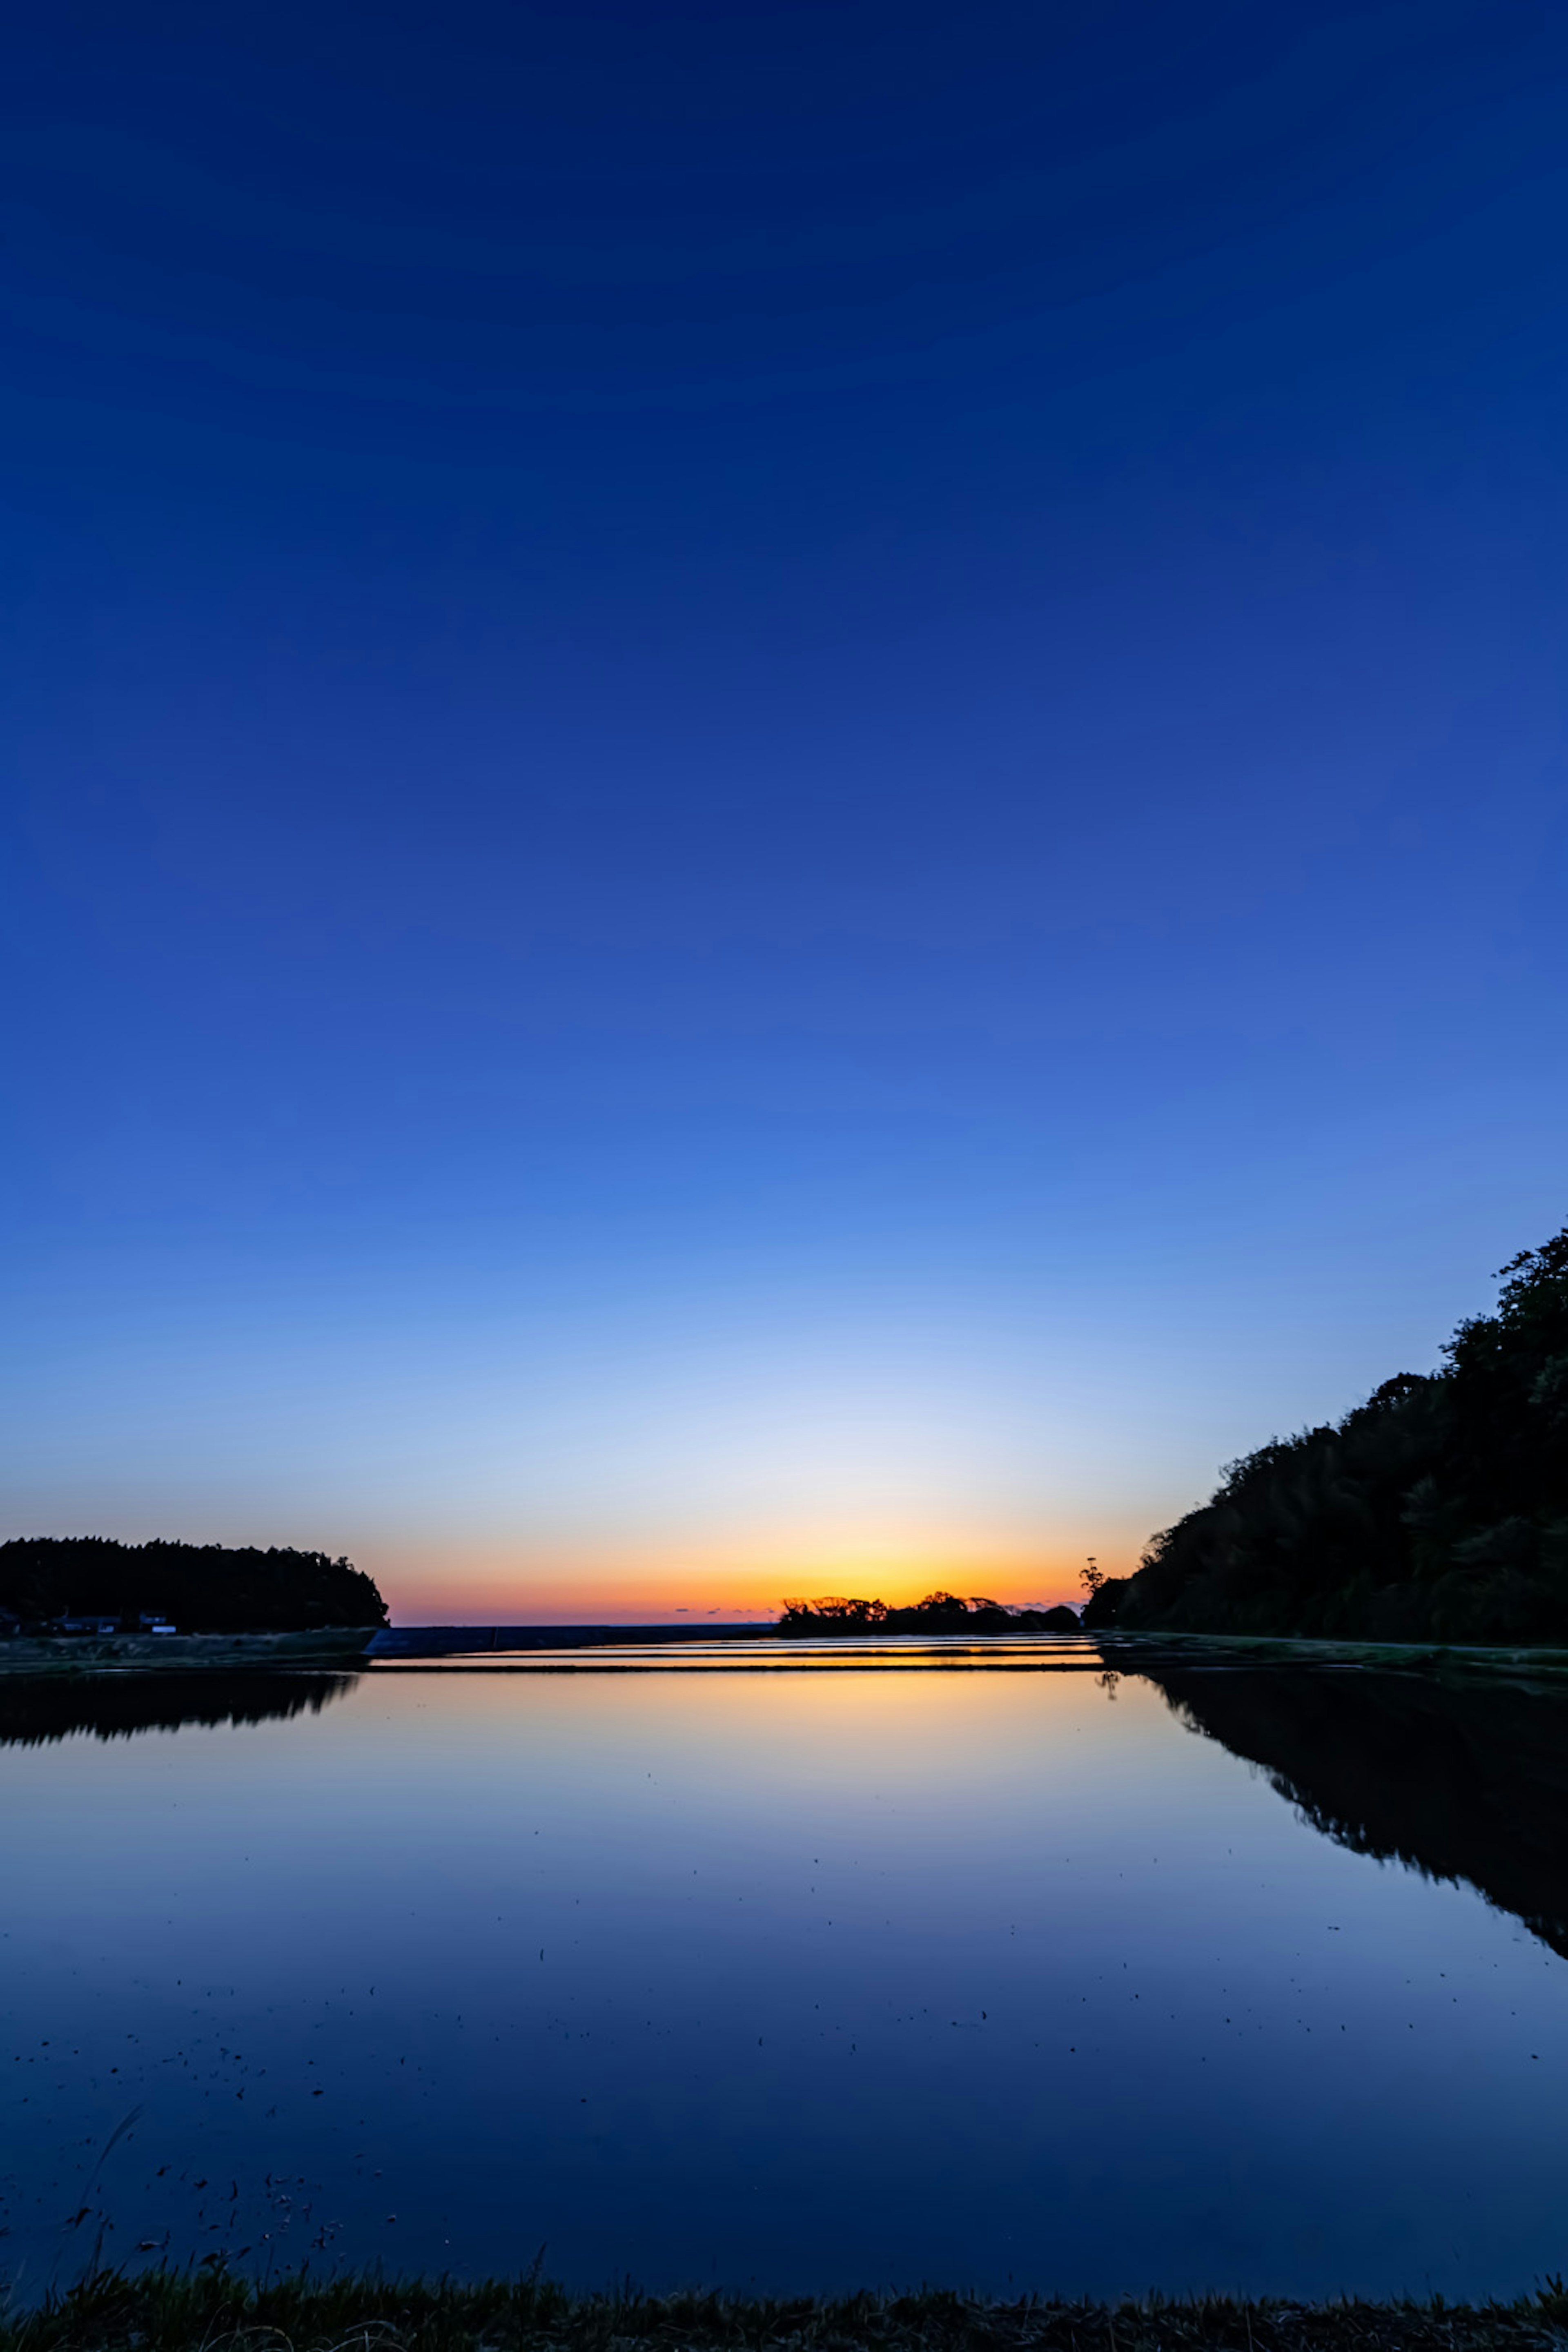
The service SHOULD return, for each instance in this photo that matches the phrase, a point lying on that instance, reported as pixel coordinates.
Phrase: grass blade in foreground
(167, 2311)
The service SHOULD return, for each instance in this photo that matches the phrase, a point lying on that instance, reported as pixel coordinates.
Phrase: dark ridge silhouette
(33, 1712)
(203, 1588)
(939, 1612)
(1435, 1511)
(1463, 1782)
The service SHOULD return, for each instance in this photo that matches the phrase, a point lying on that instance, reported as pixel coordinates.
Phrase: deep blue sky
(783, 786)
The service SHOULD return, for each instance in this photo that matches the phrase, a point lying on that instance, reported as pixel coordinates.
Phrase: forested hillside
(1436, 1510)
(204, 1588)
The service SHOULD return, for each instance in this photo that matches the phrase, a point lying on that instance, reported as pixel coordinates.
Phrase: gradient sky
(783, 787)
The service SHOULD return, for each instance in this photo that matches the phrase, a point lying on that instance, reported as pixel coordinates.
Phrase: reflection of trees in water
(1467, 1783)
(34, 1710)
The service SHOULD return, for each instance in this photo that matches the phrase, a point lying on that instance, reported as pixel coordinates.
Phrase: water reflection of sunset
(836, 1723)
(785, 1977)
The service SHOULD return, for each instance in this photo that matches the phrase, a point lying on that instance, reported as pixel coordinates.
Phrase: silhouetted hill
(1436, 1510)
(204, 1588)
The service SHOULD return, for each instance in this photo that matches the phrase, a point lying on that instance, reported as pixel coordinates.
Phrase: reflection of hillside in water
(116, 1706)
(1459, 1782)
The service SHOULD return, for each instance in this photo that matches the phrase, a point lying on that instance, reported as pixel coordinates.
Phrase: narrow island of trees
(939, 1612)
(48, 1581)
(1435, 1511)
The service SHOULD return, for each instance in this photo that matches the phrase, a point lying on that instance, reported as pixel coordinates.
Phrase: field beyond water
(212, 2310)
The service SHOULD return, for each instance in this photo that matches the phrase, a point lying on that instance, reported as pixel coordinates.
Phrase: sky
(782, 790)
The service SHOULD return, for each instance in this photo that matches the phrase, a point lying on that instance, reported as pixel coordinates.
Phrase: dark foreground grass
(214, 2311)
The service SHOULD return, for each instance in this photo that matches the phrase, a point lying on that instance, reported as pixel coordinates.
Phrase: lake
(791, 1969)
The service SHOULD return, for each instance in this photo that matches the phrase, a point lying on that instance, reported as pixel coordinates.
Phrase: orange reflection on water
(774, 1716)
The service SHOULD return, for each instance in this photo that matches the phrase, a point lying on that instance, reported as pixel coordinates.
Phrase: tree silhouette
(204, 1588)
(1436, 1510)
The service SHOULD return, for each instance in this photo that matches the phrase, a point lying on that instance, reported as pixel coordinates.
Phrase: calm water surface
(1004, 1975)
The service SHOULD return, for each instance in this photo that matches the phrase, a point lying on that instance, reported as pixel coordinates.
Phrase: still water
(790, 1971)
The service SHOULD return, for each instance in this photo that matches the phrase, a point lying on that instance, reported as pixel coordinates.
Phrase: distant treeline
(201, 1588)
(939, 1612)
(1435, 1511)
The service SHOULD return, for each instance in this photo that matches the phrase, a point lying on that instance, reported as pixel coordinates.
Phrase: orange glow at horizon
(502, 1585)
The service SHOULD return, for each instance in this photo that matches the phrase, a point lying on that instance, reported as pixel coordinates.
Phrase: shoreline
(1236, 1649)
(528, 1648)
(97, 1653)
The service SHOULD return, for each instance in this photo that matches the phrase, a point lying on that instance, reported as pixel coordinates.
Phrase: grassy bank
(1480, 1660)
(214, 2312)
